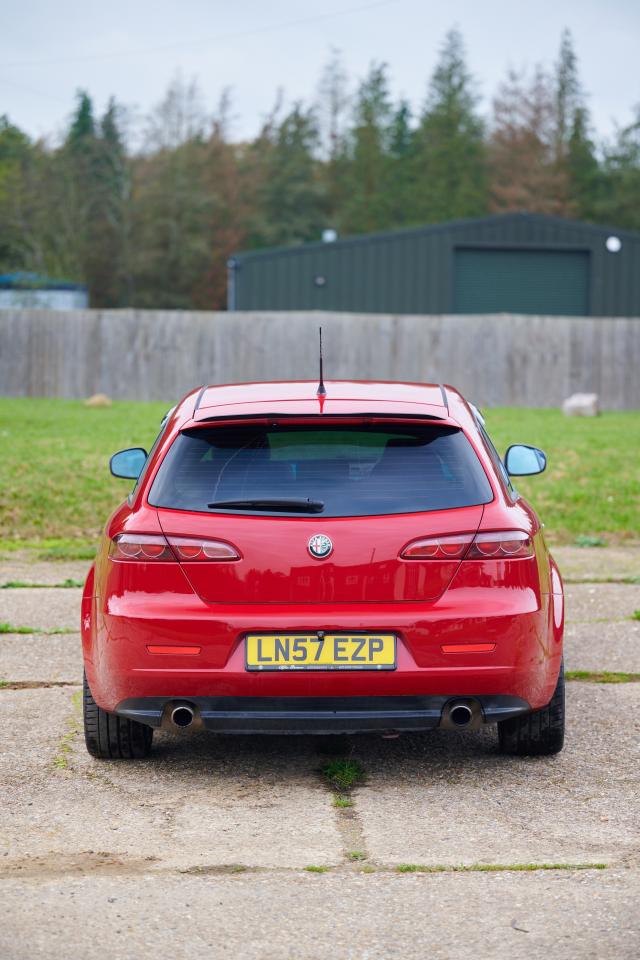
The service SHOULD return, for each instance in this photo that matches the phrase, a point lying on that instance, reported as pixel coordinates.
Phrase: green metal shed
(510, 263)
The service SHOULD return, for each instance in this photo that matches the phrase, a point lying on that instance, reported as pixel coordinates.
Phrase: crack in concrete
(90, 862)
(37, 684)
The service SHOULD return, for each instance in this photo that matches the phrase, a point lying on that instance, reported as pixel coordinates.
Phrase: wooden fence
(159, 355)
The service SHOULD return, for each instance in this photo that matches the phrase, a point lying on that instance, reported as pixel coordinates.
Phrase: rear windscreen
(351, 470)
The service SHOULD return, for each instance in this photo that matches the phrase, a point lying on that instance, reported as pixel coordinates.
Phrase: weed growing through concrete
(26, 585)
(342, 801)
(56, 631)
(582, 580)
(313, 869)
(635, 615)
(604, 676)
(495, 867)
(343, 774)
(61, 759)
(356, 855)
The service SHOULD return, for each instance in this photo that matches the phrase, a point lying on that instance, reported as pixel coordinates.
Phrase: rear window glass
(352, 470)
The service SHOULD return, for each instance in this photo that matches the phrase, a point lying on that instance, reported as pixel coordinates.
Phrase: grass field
(56, 491)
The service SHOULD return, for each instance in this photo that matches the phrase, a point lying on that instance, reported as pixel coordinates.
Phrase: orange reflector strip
(168, 649)
(468, 647)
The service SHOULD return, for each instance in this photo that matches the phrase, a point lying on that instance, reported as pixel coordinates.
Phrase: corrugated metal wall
(412, 271)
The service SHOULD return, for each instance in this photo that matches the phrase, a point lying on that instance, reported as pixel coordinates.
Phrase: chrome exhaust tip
(182, 715)
(461, 715)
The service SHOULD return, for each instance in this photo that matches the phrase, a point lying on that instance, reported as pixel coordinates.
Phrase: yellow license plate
(313, 651)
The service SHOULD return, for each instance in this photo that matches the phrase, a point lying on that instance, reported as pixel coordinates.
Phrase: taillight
(145, 547)
(502, 545)
(140, 546)
(498, 545)
(438, 548)
(192, 548)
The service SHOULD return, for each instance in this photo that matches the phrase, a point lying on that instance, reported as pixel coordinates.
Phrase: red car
(290, 561)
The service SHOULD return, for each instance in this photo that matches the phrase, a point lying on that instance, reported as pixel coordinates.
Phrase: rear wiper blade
(268, 504)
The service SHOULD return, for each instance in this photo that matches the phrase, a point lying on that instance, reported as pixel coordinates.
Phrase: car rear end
(307, 571)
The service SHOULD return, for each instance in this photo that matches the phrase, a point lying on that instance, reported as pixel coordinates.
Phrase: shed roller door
(522, 281)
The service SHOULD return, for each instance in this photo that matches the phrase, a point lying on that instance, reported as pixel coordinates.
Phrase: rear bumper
(523, 661)
(317, 715)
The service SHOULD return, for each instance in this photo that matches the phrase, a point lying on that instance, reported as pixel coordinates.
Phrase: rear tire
(110, 737)
(537, 734)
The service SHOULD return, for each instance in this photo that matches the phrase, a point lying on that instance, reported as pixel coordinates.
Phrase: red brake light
(144, 547)
(499, 545)
(140, 547)
(438, 548)
(192, 548)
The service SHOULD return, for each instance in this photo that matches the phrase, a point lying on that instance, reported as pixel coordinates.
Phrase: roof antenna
(322, 392)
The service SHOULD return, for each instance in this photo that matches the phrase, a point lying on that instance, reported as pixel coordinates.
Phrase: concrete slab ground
(454, 799)
(20, 567)
(598, 563)
(44, 609)
(202, 848)
(288, 916)
(612, 646)
(41, 657)
(601, 601)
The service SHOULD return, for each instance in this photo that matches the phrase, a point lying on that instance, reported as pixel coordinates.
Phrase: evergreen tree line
(154, 226)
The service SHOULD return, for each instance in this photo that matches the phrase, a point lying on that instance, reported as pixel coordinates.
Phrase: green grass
(313, 869)
(591, 486)
(496, 867)
(341, 801)
(56, 491)
(635, 615)
(602, 676)
(356, 855)
(343, 774)
(26, 585)
(12, 628)
(55, 485)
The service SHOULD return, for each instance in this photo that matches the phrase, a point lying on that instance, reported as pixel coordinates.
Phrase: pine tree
(525, 175)
(583, 168)
(82, 128)
(110, 260)
(368, 169)
(619, 201)
(574, 149)
(291, 195)
(77, 202)
(402, 198)
(449, 155)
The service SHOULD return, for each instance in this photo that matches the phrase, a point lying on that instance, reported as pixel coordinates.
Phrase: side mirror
(128, 464)
(523, 461)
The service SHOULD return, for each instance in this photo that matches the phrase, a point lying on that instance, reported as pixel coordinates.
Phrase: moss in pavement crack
(61, 759)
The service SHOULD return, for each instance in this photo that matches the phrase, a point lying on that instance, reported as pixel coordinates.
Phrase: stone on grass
(98, 400)
(581, 405)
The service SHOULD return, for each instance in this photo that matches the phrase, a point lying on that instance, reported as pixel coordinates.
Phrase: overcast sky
(133, 49)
